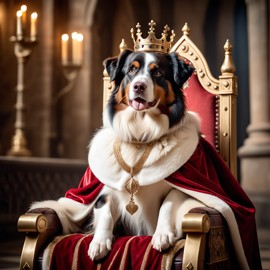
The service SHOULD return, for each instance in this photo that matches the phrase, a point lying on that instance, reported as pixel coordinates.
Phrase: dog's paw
(162, 240)
(99, 248)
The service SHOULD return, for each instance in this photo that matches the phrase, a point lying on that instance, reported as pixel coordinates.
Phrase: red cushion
(204, 103)
(129, 252)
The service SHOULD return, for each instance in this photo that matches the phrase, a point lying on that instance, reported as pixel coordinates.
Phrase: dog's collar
(138, 143)
(143, 143)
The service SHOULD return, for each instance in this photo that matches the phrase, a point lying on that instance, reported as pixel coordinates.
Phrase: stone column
(255, 153)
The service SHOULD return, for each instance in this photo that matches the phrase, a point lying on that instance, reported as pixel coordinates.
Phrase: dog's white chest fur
(168, 154)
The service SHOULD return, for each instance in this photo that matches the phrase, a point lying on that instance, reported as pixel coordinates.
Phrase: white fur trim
(168, 154)
(221, 206)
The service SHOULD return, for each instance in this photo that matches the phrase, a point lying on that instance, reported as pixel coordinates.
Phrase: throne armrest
(40, 225)
(208, 241)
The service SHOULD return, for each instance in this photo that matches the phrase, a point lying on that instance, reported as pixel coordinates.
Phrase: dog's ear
(181, 70)
(114, 65)
(110, 65)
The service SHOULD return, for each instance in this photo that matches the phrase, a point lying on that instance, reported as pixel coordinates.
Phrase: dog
(146, 109)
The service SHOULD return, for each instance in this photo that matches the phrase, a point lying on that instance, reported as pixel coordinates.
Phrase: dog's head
(147, 100)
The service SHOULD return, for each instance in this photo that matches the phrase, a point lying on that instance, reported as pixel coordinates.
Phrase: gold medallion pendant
(132, 185)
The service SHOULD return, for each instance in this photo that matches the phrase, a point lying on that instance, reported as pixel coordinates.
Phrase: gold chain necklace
(132, 185)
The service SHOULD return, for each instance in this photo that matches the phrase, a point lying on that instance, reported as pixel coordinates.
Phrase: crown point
(186, 30)
(132, 34)
(172, 36)
(165, 31)
(152, 23)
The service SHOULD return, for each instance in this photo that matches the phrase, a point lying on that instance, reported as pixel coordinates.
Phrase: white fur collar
(168, 155)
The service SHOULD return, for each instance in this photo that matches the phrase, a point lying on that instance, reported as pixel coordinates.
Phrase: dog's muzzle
(139, 102)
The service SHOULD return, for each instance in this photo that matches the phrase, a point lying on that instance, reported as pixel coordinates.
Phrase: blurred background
(63, 102)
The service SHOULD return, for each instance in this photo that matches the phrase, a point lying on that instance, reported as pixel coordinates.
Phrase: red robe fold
(205, 172)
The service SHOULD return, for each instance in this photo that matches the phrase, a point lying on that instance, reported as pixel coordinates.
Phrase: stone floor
(9, 252)
(264, 242)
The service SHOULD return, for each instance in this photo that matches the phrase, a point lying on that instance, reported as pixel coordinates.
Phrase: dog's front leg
(164, 235)
(104, 220)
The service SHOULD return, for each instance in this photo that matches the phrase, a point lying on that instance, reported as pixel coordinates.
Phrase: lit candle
(24, 16)
(19, 24)
(64, 49)
(33, 26)
(80, 48)
(74, 47)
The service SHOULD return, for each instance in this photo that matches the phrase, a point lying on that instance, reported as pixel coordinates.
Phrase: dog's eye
(157, 72)
(132, 70)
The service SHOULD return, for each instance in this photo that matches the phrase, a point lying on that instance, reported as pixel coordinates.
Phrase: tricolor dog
(147, 135)
(148, 164)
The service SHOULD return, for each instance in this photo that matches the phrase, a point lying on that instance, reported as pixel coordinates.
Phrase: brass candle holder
(71, 64)
(22, 48)
(70, 71)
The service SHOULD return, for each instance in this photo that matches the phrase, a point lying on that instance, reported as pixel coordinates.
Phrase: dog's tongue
(138, 104)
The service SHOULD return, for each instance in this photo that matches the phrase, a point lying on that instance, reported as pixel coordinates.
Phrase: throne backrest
(213, 99)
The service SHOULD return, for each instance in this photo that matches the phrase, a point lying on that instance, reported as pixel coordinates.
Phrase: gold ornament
(132, 185)
(151, 43)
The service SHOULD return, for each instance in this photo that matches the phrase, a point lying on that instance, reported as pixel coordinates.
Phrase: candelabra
(23, 47)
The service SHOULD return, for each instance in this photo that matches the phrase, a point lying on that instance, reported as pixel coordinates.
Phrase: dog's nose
(139, 87)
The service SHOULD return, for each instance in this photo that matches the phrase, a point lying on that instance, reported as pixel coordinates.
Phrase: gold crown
(151, 43)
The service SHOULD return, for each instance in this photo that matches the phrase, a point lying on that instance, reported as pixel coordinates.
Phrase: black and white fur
(147, 104)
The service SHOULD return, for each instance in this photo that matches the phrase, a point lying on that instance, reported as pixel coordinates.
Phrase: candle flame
(19, 13)
(23, 8)
(65, 37)
(80, 37)
(34, 15)
(74, 35)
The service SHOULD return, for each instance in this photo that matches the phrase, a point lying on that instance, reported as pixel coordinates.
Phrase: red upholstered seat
(129, 252)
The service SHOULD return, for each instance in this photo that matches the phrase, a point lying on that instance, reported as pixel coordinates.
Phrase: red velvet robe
(204, 172)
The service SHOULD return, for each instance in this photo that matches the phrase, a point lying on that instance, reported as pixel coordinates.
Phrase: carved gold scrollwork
(190, 266)
(42, 224)
(184, 48)
(188, 50)
(26, 266)
(226, 84)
